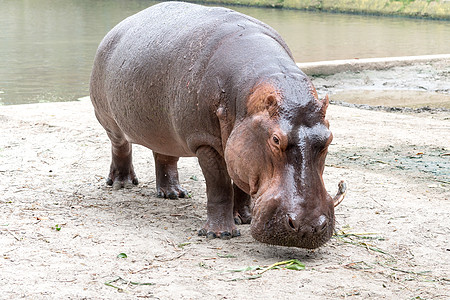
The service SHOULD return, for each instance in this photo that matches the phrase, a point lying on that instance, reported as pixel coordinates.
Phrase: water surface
(47, 47)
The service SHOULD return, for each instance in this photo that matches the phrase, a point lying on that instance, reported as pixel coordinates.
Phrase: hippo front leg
(219, 190)
(242, 211)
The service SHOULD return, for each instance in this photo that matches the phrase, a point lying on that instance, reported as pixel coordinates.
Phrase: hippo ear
(313, 90)
(264, 98)
(324, 105)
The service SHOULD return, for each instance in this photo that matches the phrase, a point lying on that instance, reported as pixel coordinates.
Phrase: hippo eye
(276, 140)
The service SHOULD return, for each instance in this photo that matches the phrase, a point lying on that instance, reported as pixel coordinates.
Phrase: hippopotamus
(187, 80)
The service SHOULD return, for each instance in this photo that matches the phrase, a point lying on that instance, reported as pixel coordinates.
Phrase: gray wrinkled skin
(189, 80)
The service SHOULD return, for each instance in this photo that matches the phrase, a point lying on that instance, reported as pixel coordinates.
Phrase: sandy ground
(62, 228)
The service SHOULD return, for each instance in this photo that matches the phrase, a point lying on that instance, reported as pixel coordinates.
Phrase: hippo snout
(297, 227)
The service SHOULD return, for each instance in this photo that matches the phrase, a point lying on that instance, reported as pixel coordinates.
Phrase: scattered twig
(127, 282)
(251, 277)
(382, 162)
(362, 235)
(410, 272)
(367, 246)
(423, 273)
(171, 258)
(426, 276)
(13, 234)
(172, 243)
(348, 239)
(11, 250)
(99, 178)
(358, 265)
(292, 264)
(184, 206)
(181, 245)
(373, 199)
(143, 269)
(196, 217)
(443, 181)
(225, 255)
(62, 280)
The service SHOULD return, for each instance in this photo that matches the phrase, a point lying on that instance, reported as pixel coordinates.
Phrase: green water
(47, 47)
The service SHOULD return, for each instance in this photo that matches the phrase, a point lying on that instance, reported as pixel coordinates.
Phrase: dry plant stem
(342, 191)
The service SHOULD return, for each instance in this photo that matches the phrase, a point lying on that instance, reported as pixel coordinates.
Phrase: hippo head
(276, 154)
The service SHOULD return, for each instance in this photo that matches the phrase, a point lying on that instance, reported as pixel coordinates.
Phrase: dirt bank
(62, 229)
(418, 86)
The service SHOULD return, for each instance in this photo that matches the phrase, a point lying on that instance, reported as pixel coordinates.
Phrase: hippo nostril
(291, 223)
(322, 224)
(321, 228)
(318, 227)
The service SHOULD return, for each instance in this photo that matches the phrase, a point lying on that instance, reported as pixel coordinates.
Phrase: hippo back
(170, 66)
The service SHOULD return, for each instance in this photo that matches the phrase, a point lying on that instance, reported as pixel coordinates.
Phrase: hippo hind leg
(167, 183)
(121, 172)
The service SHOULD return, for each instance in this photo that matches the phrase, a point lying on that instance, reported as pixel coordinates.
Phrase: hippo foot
(244, 218)
(127, 183)
(224, 235)
(172, 192)
(121, 174)
(225, 231)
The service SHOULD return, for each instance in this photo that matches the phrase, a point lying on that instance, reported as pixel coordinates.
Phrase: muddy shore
(420, 86)
(62, 229)
(439, 9)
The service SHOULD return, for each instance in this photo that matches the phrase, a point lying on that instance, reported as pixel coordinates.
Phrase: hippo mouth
(273, 226)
